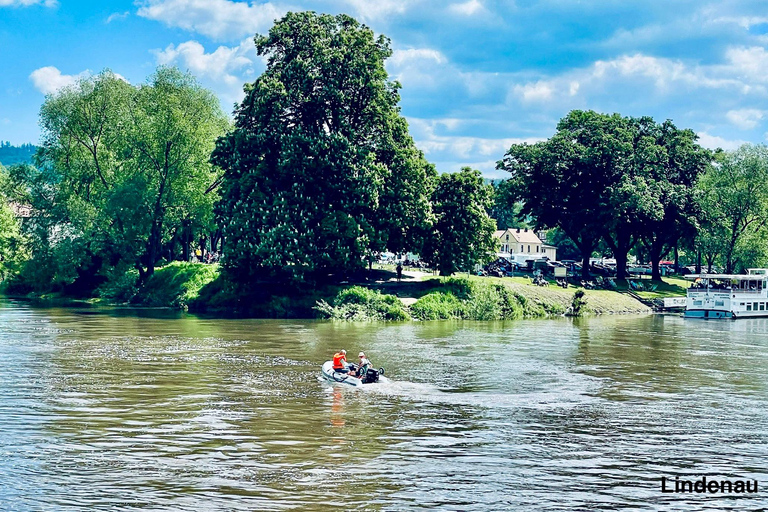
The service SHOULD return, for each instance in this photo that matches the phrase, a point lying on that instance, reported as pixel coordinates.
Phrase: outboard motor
(372, 375)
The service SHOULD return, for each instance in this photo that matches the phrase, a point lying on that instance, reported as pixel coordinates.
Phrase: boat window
(719, 303)
(762, 306)
(749, 306)
(741, 304)
(697, 303)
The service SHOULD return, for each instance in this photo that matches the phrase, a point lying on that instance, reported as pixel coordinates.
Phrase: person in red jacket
(340, 361)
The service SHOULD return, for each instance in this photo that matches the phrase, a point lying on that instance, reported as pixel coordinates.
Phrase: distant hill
(10, 155)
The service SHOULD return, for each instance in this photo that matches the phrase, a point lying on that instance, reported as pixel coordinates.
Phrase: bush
(363, 304)
(121, 286)
(176, 284)
(438, 306)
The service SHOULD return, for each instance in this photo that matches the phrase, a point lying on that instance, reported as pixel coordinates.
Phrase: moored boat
(728, 295)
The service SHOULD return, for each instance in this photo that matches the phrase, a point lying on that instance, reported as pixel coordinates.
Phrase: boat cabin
(728, 295)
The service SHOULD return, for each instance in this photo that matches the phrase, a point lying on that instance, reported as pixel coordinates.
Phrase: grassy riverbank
(201, 288)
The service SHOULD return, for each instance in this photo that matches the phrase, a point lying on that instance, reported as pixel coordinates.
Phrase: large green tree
(735, 197)
(123, 167)
(14, 249)
(463, 232)
(320, 171)
(611, 178)
(569, 180)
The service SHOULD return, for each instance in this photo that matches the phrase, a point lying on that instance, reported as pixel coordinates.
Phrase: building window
(522, 249)
(507, 237)
(537, 248)
(529, 249)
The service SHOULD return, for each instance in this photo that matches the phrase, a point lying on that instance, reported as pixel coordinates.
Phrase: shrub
(363, 304)
(176, 284)
(122, 285)
(438, 306)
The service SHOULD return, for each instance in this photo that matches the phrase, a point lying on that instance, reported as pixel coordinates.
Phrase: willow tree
(124, 166)
(320, 171)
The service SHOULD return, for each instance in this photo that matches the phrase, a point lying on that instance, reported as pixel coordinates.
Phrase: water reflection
(111, 411)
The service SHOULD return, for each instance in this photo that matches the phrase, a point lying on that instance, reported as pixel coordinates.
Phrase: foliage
(506, 210)
(611, 178)
(176, 284)
(121, 286)
(578, 304)
(320, 171)
(122, 169)
(735, 197)
(363, 304)
(14, 246)
(463, 232)
(438, 305)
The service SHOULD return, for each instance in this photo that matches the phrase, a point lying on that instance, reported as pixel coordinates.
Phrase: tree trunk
(677, 256)
(621, 265)
(655, 253)
(585, 255)
(698, 261)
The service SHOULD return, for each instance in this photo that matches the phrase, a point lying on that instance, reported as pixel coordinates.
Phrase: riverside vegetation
(318, 174)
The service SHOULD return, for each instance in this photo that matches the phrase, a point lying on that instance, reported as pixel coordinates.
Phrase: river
(108, 409)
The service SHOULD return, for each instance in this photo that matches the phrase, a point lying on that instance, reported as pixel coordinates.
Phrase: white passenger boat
(371, 377)
(728, 295)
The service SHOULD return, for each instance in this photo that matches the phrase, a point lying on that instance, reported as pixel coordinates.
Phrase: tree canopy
(121, 168)
(463, 231)
(613, 178)
(320, 171)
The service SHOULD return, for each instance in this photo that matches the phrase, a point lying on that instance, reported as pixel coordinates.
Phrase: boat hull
(343, 379)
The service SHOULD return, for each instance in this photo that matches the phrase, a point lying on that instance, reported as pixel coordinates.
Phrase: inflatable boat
(371, 377)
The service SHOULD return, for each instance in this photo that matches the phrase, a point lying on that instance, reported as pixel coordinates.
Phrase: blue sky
(477, 75)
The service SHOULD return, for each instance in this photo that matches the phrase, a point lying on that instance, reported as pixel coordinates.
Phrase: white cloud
(746, 118)
(49, 79)
(117, 16)
(401, 58)
(219, 65)
(376, 9)
(218, 19)
(458, 147)
(469, 8)
(417, 67)
(225, 69)
(714, 142)
(27, 3)
(744, 71)
(539, 91)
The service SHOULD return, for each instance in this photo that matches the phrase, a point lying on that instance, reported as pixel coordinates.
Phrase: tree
(463, 232)
(122, 166)
(735, 196)
(320, 171)
(505, 210)
(14, 249)
(673, 162)
(121, 169)
(567, 181)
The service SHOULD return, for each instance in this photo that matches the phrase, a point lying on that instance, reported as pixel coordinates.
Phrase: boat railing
(737, 291)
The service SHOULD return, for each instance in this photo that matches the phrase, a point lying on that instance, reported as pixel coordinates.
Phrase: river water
(123, 410)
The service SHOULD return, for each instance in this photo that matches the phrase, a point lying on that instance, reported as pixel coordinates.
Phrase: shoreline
(419, 296)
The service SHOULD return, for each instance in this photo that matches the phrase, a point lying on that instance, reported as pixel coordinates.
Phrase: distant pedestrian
(399, 272)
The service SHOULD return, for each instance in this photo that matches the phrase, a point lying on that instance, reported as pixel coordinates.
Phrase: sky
(476, 75)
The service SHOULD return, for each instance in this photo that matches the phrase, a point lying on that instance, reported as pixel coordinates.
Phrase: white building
(522, 241)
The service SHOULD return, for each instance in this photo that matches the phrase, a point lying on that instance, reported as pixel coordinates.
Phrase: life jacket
(338, 357)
